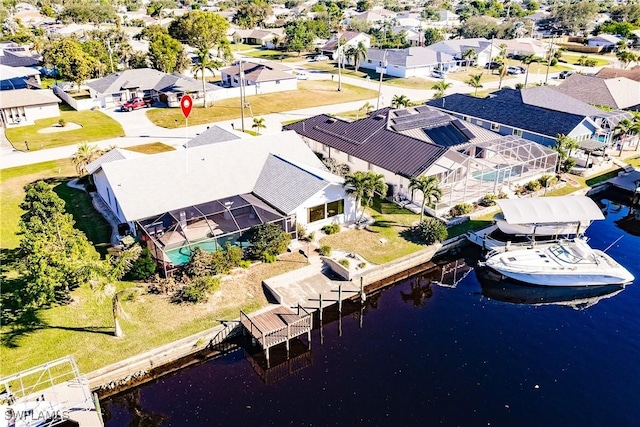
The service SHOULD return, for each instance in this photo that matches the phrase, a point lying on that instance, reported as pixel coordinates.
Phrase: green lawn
(274, 55)
(634, 161)
(309, 94)
(572, 58)
(152, 148)
(95, 126)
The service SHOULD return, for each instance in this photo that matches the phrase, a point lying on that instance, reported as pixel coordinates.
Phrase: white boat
(564, 263)
(547, 216)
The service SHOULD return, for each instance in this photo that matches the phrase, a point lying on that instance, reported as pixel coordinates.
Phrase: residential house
(468, 160)
(211, 195)
(269, 38)
(408, 62)
(538, 114)
(607, 41)
(524, 46)
(447, 20)
(485, 50)
(352, 38)
(607, 73)
(25, 106)
(618, 93)
(14, 55)
(167, 88)
(19, 78)
(263, 77)
(212, 135)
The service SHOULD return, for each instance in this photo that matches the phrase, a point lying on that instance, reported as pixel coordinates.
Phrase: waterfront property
(468, 160)
(210, 195)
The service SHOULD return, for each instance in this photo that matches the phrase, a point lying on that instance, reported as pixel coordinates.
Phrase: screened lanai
(172, 236)
(469, 172)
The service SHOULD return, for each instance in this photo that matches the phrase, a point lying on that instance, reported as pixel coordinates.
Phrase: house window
(277, 82)
(479, 122)
(369, 166)
(349, 158)
(495, 126)
(517, 132)
(335, 208)
(316, 213)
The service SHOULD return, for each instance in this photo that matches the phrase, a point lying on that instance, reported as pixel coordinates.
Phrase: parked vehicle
(301, 75)
(136, 103)
(514, 70)
(565, 73)
(492, 65)
(438, 74)
(319, 58)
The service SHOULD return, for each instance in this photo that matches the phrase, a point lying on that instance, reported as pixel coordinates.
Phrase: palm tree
(106, 273)
(367, 107)
(468, 56)
(564, 146)
(86, 154)
(205, 62)
(258, 122)
(474, 82)
(363, 186)
(359, 53)
(400, 101)
(528, 60)
(428, 186)
(340, 58)
(440, 89)
(626, 57)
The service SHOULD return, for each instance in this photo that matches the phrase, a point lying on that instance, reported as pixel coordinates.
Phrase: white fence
(76, 104)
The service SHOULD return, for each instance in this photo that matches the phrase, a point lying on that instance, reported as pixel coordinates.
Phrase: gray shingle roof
(370, 140)
(410, 57)
(112, 156)
(286, 186)
(262, 72)
(508, 109)
(550, 99)
(633, 74)
(619, 92)
(147, 79)
(211, 136)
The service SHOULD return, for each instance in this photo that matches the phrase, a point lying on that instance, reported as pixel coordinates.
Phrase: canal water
(479, 353)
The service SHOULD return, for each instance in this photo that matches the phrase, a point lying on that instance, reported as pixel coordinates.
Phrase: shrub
(553, 62)
(567, 164)
(196, 290)
(200, 264)
(302, 232)
(331, 229)
(267, 239)
(245, 263)
(461, 209)
(269, 258)
(362, 265)
(312, 236)
(163, 285)
(62, 123)
(325, 250)
(431, 230)
(533, 185)
(344, 262)
(489, 200)
(143, 268)
(548, 180)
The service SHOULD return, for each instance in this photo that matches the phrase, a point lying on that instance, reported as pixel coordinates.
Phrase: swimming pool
(500, 174)
(179, 256)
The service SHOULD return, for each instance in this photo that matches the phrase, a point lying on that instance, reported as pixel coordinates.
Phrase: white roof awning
(549, 210)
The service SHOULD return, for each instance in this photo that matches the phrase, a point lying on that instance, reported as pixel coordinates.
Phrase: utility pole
(241, 73)
(553, 38)
(110, 54)
(381, 69)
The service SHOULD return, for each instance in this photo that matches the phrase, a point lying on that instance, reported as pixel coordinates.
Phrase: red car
(135, 103)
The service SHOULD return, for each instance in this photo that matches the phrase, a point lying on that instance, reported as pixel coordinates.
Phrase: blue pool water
(502, 174)
(181, 256)
(456, 357)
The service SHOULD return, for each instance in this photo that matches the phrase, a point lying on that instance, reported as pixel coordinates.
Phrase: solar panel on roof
(423, 123)
(423, 109)
(463, 128)
(420, 117)
(445, 136)
(402, 113)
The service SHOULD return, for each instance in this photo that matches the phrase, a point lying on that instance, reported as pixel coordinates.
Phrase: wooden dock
(277, 325)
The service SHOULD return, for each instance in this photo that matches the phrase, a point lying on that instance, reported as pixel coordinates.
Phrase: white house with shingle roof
(25, 106)
(119, 87)
(263, 77)
(212, 194)
(410, 62)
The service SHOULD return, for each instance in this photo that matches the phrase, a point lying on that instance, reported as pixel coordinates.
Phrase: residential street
(139, 130)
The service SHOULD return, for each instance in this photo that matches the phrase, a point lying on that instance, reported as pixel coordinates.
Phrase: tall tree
(297, 38)
(357, 53)
(54, 253)
(468, 56)
(429, 187)
(564, 146)
(475, 82)
(340, 55)
(400, 101)
(252, 14)
(528, 60)
(67, 56)
(576, 15)
(626, 57)
(205, 62)
(166, 54)
(201, 29)
(432, 36)
(363, 186)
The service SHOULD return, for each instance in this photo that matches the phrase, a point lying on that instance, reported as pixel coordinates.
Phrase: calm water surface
(449, 356)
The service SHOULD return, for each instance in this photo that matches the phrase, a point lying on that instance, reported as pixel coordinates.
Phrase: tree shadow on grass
(409, 235)
(384, 223)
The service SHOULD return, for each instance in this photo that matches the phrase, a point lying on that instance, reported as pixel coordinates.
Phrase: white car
(319, 58)
(439, 74)
(301, 75)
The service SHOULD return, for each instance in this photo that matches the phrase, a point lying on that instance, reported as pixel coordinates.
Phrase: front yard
(312, 93)
(94, 126)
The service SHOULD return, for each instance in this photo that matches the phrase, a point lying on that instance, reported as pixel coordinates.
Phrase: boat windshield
(563, 254)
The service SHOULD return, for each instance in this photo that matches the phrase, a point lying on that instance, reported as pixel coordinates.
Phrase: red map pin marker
(185, 104)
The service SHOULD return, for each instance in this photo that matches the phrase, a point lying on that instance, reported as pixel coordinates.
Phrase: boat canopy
(540, 210)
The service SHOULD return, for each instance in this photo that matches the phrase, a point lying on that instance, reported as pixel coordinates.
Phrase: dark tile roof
(508, 109)
(19, 59)
(369, 139)
(212, 135)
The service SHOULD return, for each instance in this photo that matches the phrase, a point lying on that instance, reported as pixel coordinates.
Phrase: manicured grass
(603, 177)
(309, 94)
(274, 55)
(13, 181)
(573, 57)
(387, 226)
(152, 148)
(634, 161)
(96, 126)
(471, 225)
(84, 327)
(409, 83)
(239, 47)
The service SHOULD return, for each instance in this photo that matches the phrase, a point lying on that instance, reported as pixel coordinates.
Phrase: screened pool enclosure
(172, 236)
